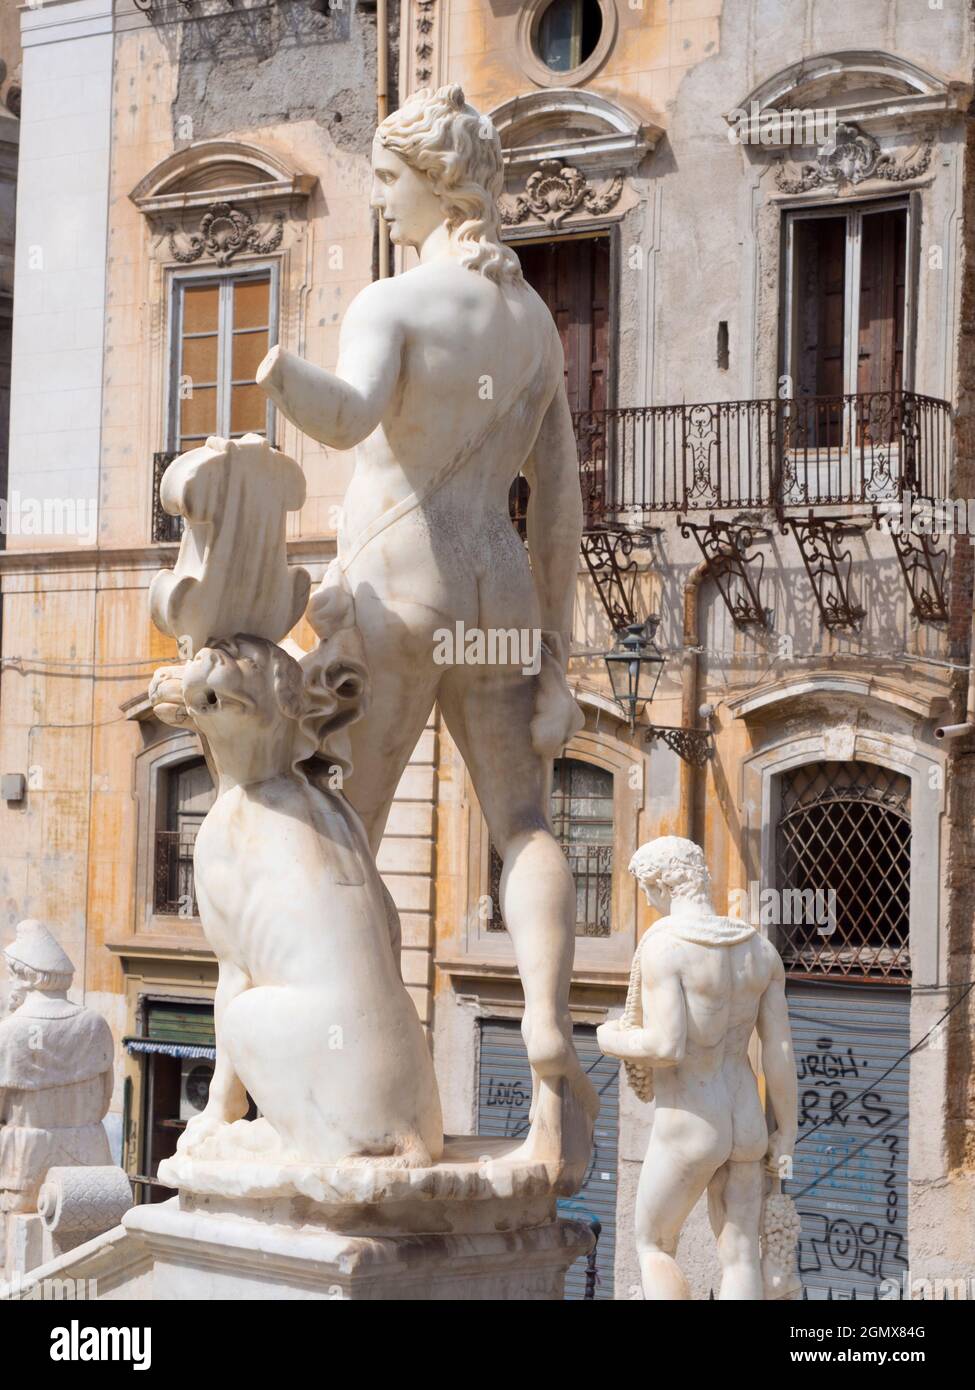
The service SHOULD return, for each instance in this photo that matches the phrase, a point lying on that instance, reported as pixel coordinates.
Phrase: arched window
(844, 871)
(582, 821)
(187, 795)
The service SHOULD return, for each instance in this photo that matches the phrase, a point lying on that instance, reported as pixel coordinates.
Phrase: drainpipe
(949, 731)
(382, 111)
(689, 707)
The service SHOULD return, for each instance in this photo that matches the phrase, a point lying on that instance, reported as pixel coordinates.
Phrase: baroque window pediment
(843, 119)
(567, 155)
(581, 128)
(214, 200)
(872, 91)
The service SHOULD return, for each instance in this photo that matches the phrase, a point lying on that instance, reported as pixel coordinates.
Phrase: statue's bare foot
(198, 1131)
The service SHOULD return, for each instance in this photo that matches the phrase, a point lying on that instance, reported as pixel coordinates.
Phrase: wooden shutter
(572, 277)
(880, 346)
(820, 294)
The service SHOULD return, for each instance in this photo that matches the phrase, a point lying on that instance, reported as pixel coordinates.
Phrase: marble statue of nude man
(705, 984)
(449, 383)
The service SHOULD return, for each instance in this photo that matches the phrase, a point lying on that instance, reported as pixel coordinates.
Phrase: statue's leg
(670, 1185)
(488, 712)
(381, 744)
(402, 690)
(741, 1191)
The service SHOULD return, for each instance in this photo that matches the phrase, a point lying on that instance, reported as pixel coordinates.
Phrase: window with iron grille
(844, 841)
(188, 796)
(582, 821)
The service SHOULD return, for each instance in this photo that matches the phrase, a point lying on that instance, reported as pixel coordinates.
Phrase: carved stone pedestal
(200, 1254)
(477, 1225)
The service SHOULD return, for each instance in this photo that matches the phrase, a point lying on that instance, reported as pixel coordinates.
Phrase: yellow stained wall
(656, 43)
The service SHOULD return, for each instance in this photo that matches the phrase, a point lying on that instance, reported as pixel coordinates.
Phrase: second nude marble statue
(702, 984)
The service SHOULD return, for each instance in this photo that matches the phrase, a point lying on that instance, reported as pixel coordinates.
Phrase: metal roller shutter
(504, 1099)
(850, 1176)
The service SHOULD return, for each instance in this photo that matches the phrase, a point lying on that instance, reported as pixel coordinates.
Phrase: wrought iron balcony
(806, 460)
(849, 450)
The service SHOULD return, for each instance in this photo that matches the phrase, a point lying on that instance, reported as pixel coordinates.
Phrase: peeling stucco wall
(250, 67)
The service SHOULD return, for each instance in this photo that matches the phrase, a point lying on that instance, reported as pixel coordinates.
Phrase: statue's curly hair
(458, 149)
(672, 863)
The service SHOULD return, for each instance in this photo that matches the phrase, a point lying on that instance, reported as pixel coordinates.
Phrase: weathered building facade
(750, 223)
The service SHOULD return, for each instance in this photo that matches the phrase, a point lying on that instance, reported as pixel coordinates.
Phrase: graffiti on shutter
(850, 1176)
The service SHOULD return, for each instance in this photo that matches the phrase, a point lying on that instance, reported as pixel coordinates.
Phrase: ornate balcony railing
(848, 450)
(808, 460)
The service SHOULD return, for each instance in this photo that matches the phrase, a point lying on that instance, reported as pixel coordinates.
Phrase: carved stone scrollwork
(224, 231)
(423, 47)
(555, 191)
(852, 156)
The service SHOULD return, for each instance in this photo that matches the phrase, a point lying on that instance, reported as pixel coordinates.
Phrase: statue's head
(36, 962)
(671, 867)
(437, 160)
(244, 691)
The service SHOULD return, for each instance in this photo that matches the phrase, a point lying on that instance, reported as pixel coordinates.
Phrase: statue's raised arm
(342, 408)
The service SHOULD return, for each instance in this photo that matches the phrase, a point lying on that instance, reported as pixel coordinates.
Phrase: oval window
(568, 32)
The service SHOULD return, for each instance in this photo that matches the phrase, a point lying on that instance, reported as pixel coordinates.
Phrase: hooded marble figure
(449, 384)
(699, 987)
(55, 1072)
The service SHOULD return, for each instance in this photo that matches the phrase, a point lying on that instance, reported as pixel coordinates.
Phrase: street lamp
(635, 648)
